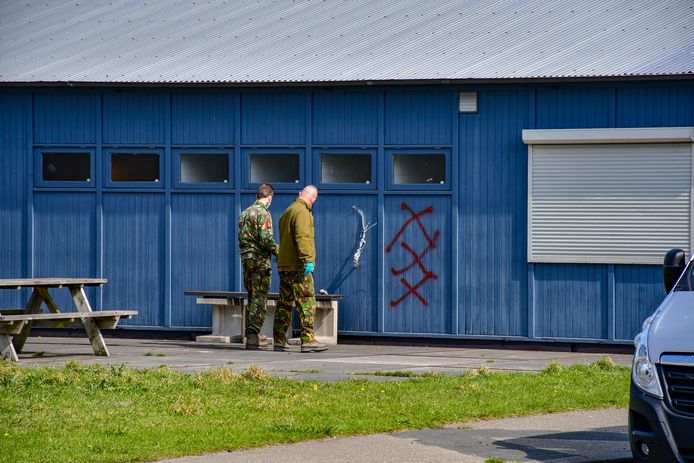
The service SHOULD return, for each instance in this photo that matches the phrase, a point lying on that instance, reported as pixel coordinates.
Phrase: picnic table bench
(16, 323)
(229, 316)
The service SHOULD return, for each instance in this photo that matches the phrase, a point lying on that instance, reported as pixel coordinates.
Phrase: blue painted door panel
(338, 228)
(202, 228)
(64, 228)
(133, 255)
(418, 262)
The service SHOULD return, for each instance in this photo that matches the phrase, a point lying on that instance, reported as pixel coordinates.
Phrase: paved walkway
(565, 437)
(339, 362)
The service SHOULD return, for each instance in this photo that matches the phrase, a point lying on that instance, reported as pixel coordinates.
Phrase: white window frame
(600, 138)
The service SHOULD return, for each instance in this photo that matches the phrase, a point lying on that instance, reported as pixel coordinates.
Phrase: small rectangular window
(66, 167)
(345, 168)
(275, 168)
(204, 168)
(135, 167)
(419, 169)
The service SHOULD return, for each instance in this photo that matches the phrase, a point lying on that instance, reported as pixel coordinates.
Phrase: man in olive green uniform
(256, 246)
(296, 262)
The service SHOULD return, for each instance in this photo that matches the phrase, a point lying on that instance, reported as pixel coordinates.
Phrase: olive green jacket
(297, 246)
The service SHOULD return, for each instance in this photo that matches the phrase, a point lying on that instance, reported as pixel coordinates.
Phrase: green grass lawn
(95, 414)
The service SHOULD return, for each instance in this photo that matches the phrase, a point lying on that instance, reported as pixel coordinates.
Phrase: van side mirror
(673, 266)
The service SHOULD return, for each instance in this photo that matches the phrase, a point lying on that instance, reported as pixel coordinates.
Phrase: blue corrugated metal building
(153, 169)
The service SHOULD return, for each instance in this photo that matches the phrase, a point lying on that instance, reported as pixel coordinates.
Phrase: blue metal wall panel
(418, 261)
(419, 117)
(338, 228)
(656, 105)
(638, 292)
(133, 255)
(493, 214)
(574, 107)
(201, 252)
(342, 117)
(64, 230)
(203, 118)
(15, 107)
(65, 116)
(571, 301)
(273, 118)
(135, 117)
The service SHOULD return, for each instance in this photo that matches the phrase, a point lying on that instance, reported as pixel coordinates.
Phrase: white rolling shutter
(607, 202)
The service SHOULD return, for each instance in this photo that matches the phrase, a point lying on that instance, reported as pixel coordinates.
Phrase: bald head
(309, 194)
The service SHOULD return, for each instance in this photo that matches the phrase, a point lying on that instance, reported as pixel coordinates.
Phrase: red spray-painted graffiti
(432, 242)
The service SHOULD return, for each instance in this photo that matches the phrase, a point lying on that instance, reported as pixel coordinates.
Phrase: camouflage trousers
(295, 287)
(256, 279)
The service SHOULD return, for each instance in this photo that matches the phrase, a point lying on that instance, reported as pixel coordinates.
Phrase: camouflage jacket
(256, 239)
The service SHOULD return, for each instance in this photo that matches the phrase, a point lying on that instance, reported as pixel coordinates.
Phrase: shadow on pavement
(607, 443)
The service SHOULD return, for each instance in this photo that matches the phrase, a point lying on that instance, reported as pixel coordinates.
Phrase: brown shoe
(313, 346)
(280, 347)
(254, 342)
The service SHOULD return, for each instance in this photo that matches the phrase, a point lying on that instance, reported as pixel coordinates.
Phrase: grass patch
(80, 413)
(155, 354)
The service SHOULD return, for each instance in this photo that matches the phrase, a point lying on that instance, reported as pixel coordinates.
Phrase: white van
(661, 405)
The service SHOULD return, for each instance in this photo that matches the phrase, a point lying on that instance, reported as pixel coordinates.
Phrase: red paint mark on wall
(417, 258)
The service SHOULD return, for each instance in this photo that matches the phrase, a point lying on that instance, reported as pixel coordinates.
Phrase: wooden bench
(16, 324)
(229, 316)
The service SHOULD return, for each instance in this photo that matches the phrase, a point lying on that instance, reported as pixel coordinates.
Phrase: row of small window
(213, 168)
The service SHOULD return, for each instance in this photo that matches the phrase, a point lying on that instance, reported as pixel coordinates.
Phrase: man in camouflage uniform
(256, 246)
(296, 262)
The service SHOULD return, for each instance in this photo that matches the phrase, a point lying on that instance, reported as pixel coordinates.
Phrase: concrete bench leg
(228, 323)
(325, 326)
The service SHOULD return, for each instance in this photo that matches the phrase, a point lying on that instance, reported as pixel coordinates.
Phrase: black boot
(253, 342)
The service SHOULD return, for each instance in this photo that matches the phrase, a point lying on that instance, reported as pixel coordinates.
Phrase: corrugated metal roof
(177, 41)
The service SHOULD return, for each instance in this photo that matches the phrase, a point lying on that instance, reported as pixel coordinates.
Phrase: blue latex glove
(309, 268)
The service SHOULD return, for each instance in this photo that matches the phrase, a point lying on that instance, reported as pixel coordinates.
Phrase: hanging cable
(365, 227)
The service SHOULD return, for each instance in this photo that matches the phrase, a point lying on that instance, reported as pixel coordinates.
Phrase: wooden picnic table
(16, 323)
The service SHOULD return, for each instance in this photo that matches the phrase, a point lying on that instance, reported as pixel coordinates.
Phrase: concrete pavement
(339, 362)
(565, 437)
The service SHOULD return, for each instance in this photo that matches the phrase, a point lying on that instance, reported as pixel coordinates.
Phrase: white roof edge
(607, 135)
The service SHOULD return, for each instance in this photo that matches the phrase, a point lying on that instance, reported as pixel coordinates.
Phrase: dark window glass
(134, 167)
(275, 168)
(345, 168)
(419, 168)
(66, 167)
(208, 168)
